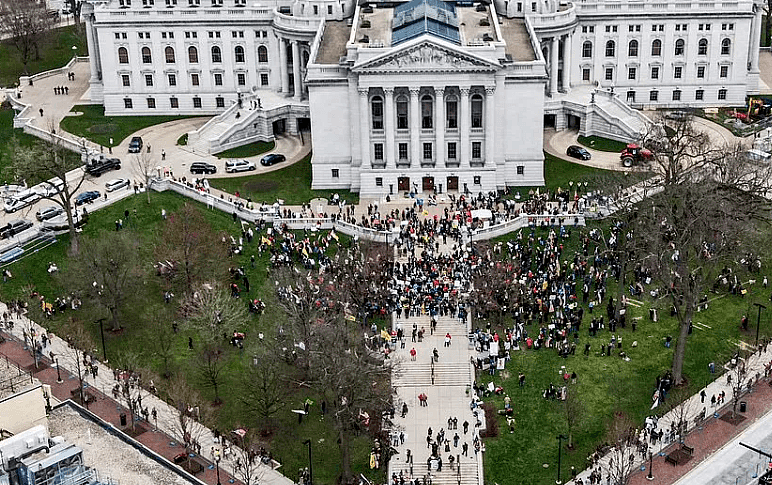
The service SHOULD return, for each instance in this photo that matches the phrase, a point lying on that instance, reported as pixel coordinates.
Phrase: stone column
(567, 50)
(439, 126)
(388, 112)
(283, 66)
(296, 70)
(364, 122)
(415, 128)
(490, 124)
(463, 131)
(92, 50)
(554, 66)
(755, 40)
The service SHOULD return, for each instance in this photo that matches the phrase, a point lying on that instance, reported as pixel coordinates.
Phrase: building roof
(418, 17)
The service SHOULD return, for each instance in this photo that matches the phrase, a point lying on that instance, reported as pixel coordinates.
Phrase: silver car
(232, 166)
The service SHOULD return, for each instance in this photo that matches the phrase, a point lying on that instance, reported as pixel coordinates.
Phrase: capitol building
(419, 95)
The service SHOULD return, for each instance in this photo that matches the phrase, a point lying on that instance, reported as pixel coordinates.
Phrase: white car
(49, 188)
(239, 166)
(21, 200)
(116, 184)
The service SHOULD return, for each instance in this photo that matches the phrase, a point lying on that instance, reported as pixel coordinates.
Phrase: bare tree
(248, 467)
(623, 438)
(574, 413)
(264, 386)
(680, 405)
(496, 287)
(143, 165)
(191, 411)
(25, 23)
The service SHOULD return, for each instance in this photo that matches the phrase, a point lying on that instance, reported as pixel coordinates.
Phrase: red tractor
(634, 154)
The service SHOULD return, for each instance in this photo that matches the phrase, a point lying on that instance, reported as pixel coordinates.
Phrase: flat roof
(333, 44)
(518, 40)
(11, 382)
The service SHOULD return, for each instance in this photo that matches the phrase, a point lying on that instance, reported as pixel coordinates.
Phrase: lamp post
(102, 333)
(58, 374)
(217, 466)
(758, 322)
(651, 464)
(560, 438)
(310, 463)
(74, 51)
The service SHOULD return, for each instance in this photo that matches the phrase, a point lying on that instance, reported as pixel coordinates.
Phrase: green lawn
(55, 51)
(604, 384)
(95, 126)
(292, 184)
(250, 150)
(602, 144)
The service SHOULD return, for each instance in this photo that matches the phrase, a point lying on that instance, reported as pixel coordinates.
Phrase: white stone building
(421, 94)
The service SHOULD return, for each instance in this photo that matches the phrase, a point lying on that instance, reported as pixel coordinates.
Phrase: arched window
(427, 106)
(376, 106)
(216, 54)
(451, 112)
(587, 49)
(402, 113)
(679, 47)
(632, 48)
(262, 54)
(147, 58)
(610, 48)
(656, 47)
(477, 111)
(239, 51)
(726, 45)
(702, 47)
(192, 54)
(123, 55)
(169, 52)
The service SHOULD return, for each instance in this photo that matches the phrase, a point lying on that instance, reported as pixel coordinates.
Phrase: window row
(426, 107)
(195, 79)
(654, 28)
(451, 152)
(216, 51)
(678, 73)
(173, 3)
(677, 95)
(174, 102)
(656, 48)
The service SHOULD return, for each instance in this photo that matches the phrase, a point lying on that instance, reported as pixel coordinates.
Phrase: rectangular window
(402, 151)
(196, 102)
(194, 79)
(127, 103)
(329, 9)
(631, 73)
(519, 6)
(148, 79)
(476, 150)
(264, 79)
(608, 28)
(427, 151)
(677, 71)
(699, 95)
(677, 95)
(151, 103)
(218, 79)
(609, 74)
(477, 180)
(521, 169)
(533, 6)
(174, 103)
(379, 181)
(241, 78)
(724, 71)
(585, 74)
(451, 114)
(117, 36)
(653, 95)
(335, 173)
(172, 79)
(700, 72)
(219, 101)
(722, 94)
(126, 80)
(316, 9)
(378, 151)
(451, 150)
(655, 72)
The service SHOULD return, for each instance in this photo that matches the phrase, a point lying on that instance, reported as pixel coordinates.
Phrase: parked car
(48, 212)
(272, 158)
(101, 164)
(239, 166)
(678, 115)
(135, 145)
(87, 197)
(21, 200)
(14, 227)
(116, 184)
(202, 167)
(578, 152)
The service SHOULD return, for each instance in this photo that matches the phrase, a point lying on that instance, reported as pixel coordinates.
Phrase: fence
(12, 377)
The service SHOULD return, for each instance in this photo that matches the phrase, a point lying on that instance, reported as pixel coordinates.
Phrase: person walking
(412, 353)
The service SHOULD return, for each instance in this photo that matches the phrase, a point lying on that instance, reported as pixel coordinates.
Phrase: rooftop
(13, 379)
(518, 41)
(333, 44)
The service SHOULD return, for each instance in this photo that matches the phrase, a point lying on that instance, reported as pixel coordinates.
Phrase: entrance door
(452, 183)
(428, 184)
(403, 183)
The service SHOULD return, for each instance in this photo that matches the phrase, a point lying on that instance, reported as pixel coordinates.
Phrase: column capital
(489, 90)
(465, 91)
(440, 92)
(388, 91)
(363, 92)
(414, 92)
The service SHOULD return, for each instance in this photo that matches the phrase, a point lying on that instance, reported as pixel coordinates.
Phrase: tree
(185, 423)
(25, 22)
(574, 413)
(51, 163)
(680, 405)
(194, 249)
(160, 336)
(143, 165)
(107, 271)
(738, 379)
(248, 468)
(496, 287)
(623, 438)
(264, 385)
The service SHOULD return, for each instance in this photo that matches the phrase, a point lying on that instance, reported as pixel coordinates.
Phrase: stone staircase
(445, 374)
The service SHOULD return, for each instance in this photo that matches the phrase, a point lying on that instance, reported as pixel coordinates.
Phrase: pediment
(426, 56)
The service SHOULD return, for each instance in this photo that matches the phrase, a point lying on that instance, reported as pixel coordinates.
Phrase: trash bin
(743, 406)
(123, 419)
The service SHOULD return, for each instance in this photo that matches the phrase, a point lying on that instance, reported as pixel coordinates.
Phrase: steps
(419, 374)
(469, 473)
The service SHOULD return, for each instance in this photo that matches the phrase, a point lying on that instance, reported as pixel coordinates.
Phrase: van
(758, 155)
(21, 200)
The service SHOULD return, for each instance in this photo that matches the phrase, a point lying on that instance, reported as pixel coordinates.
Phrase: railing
(554, 20)
(252, 13)
(296, 23)
(15, 382)
(583, 7)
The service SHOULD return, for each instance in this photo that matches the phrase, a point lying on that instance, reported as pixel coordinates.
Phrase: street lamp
(74, 51)
(758, 322)
(217, 465)
(58, 374)
(310, 463)
(651, 464)
(102, 332)
(560, 437)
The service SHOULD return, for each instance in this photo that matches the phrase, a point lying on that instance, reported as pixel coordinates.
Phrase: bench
(687, 449)
(675, 456)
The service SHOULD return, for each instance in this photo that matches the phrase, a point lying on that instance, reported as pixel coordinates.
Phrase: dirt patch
(737, 419)
(260, 186)
(103, 128)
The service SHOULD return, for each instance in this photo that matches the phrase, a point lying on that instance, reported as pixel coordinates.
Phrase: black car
(98, 166)
(14, 227)
(135, 145)
(87, 197)
(271, 159)
(578, 152)
(202, 167)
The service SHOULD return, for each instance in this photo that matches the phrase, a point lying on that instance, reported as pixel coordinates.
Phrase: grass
(95, 126)
(292, 184)
(182, 140)
(246, 151)
(604, 384)
(602, 144)
(55, 51)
